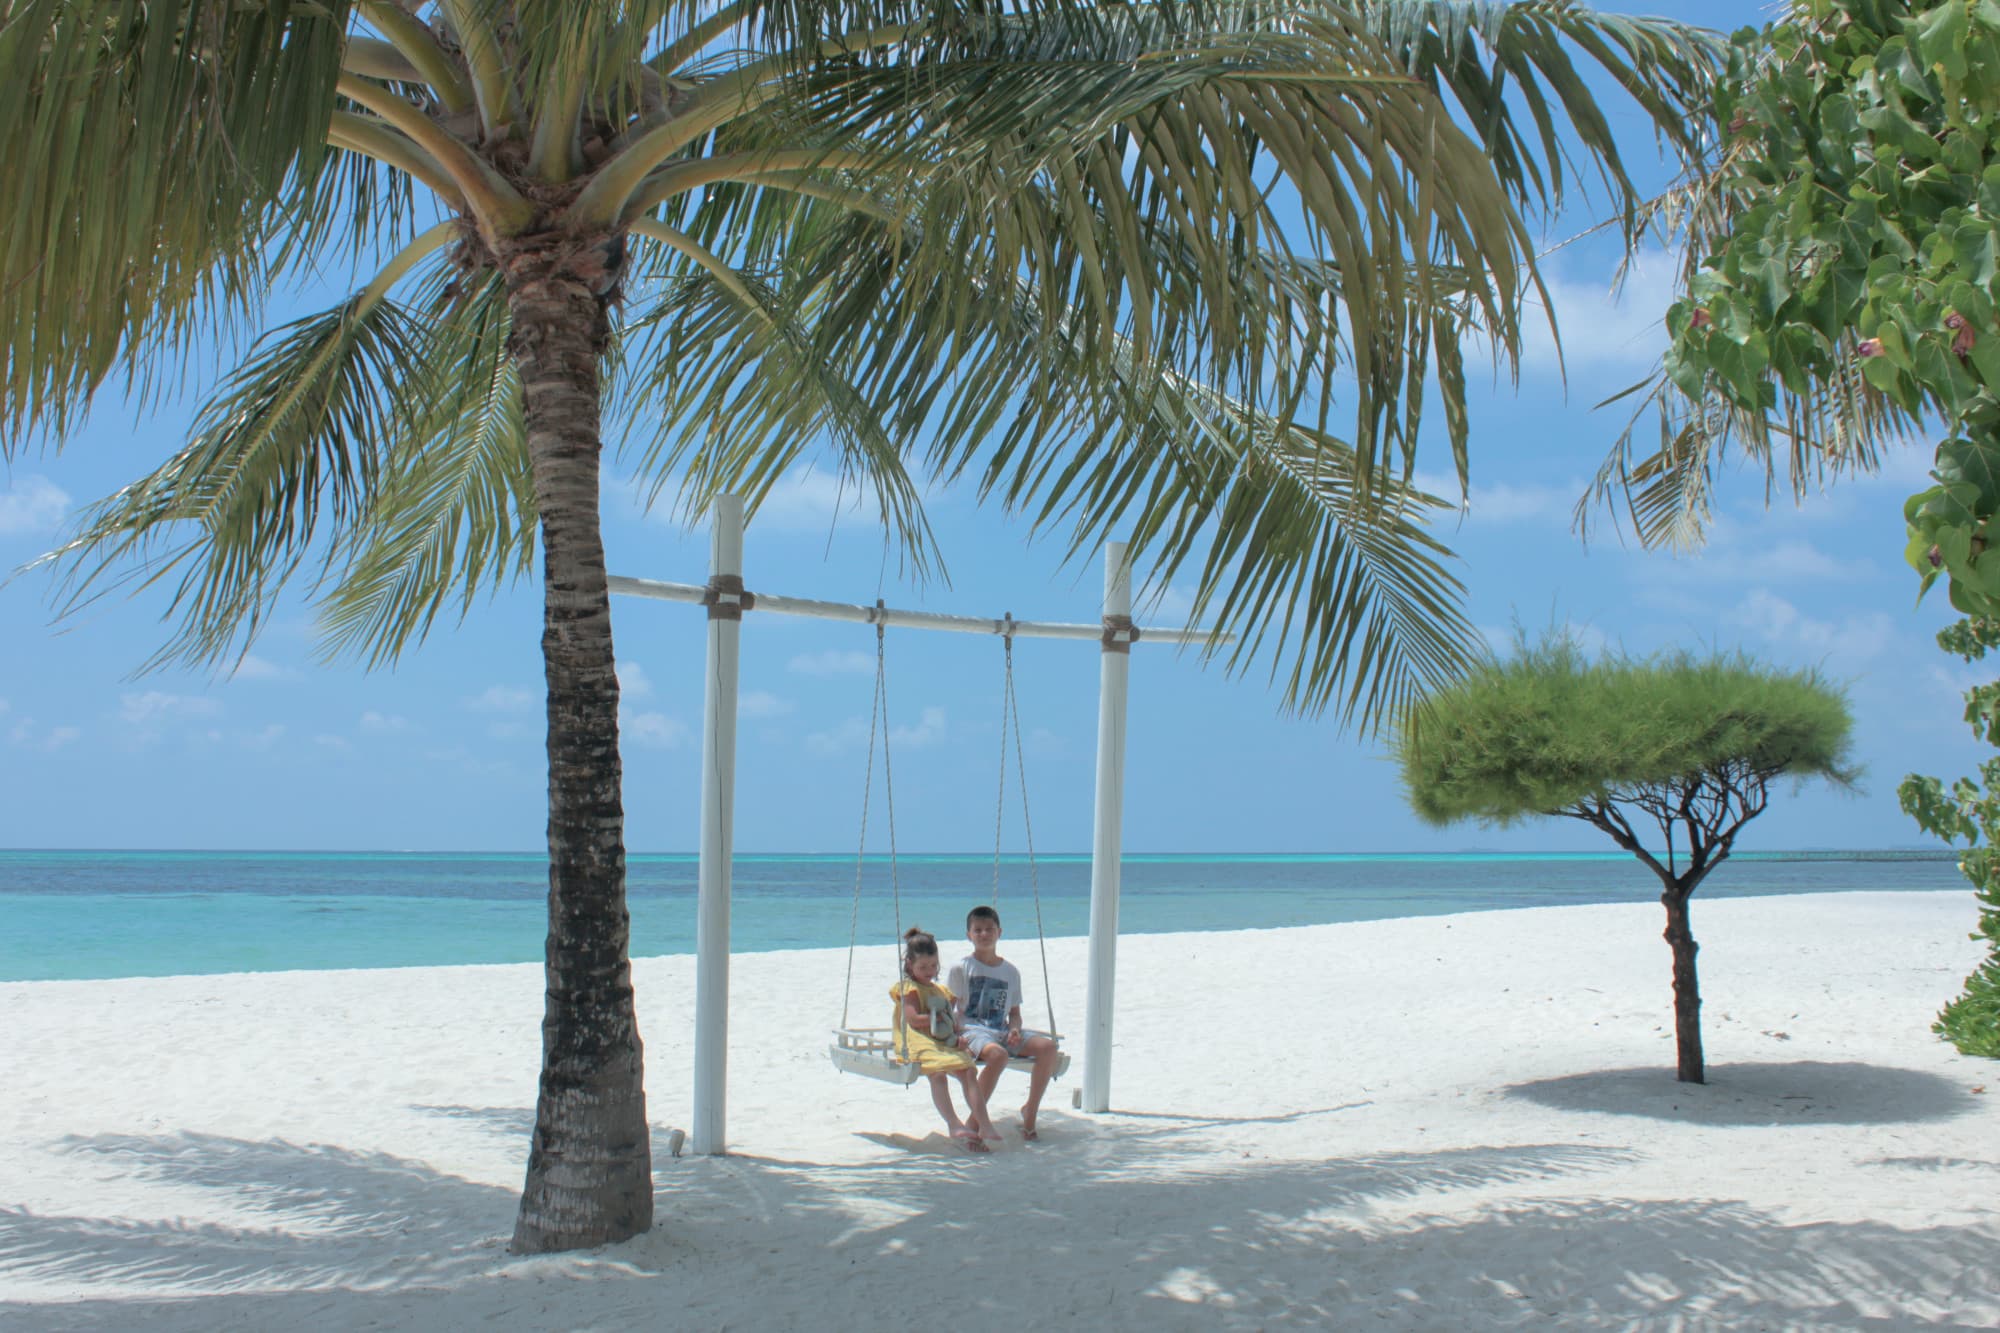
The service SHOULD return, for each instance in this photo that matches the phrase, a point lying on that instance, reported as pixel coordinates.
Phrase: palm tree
(1106, 259)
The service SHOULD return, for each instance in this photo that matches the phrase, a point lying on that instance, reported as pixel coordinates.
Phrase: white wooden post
(718, 811)
(1107, 835)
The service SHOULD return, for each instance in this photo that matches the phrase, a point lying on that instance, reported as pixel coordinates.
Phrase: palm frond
(1321, 566)
(452, 513)
(1035, 131)
(728, 389)
(1512, 70)
(147, 142)
(289, 446)
(1810, 436)
(1327, 573)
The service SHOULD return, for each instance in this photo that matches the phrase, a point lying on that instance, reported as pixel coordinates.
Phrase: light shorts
(978, 1039)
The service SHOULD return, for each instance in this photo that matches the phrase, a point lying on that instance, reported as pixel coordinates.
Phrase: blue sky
(444, 751)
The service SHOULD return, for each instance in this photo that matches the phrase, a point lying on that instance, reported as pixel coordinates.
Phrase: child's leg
(1042, 1050)
(976, 1118)
(992, 1064)
(941, 1098)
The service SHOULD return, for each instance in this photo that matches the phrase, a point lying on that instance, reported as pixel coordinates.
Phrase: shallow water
(67, 914)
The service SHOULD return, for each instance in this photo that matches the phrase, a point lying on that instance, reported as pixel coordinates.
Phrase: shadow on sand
(1153, 1235)
(1798, 1092)
(513, 1121)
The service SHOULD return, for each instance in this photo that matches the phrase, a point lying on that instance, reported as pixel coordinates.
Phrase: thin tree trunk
(1687, 987)
(590, 1178)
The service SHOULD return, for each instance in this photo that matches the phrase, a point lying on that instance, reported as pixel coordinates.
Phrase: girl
(925, 1034)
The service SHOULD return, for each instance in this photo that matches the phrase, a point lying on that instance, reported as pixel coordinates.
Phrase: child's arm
(914, 1014)
(1013, 1025)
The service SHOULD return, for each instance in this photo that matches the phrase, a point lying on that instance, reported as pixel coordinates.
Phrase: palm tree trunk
(590, 1179)
(1687, 987)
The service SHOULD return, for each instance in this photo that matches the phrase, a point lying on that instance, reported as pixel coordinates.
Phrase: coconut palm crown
(1113, 263)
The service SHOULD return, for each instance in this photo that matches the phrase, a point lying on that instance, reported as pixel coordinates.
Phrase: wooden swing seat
(871, 1053)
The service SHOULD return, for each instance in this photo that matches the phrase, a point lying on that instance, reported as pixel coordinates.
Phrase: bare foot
(974, 1143)
(1028, 1133)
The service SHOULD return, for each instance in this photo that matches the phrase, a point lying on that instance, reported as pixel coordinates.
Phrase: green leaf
(1940, 37)
(1974, 464)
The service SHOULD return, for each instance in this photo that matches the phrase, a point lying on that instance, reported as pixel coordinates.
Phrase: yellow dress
(913, 1044)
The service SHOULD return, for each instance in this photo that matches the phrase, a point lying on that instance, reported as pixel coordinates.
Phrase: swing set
(864, 1050)
(875, 1052)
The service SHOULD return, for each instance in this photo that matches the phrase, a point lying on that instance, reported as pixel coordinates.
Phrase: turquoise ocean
(74, 914)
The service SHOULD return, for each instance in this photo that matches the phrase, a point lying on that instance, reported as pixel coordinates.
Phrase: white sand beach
(1434, 1123)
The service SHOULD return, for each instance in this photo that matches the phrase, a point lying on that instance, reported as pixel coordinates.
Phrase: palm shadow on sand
(1151, 1234)
(518, 1121)
(1777, 1093)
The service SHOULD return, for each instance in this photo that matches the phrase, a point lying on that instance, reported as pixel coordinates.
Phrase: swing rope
(888, 781)
(879, 714)
(1000, 798)
(1010, 710)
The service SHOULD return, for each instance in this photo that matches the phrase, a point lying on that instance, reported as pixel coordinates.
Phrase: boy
(988, 991)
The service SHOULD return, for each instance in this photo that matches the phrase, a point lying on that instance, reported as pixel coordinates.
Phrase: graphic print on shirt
(986, 1002)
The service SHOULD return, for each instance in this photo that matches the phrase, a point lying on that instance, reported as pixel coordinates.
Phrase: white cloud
(1506, 502)
(500, 699)
(759, 704)
(332, 742)
(1042, 741)
(1905, 469)
(929, 730)
(1733, 552)
(656, 731)
(264, 739)
(32, 504)
(807, 500)
(633, 682)
(1777, 620)
(383, 723)
(1802, 560)
(832, 662)
(1945, 687)
(1626, 329)
(1831, 503)
(474, 765)
(851, 734)
(157, 706)
(1170, 605)
(27, 735)
(256, 668)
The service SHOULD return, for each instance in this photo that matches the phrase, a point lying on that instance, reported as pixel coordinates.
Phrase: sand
(1434, 1123)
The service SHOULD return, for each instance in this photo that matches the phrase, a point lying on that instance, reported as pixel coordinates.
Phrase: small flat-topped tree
(1689, 745)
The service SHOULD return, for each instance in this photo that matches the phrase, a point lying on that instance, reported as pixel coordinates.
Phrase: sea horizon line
(1898, 852)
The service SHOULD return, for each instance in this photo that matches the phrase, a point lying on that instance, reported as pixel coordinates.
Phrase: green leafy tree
(1688, 746)
(1970, 813)
(1844, 291)
(1103, 260)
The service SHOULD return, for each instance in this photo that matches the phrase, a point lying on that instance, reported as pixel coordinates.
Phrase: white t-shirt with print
(989, 993)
